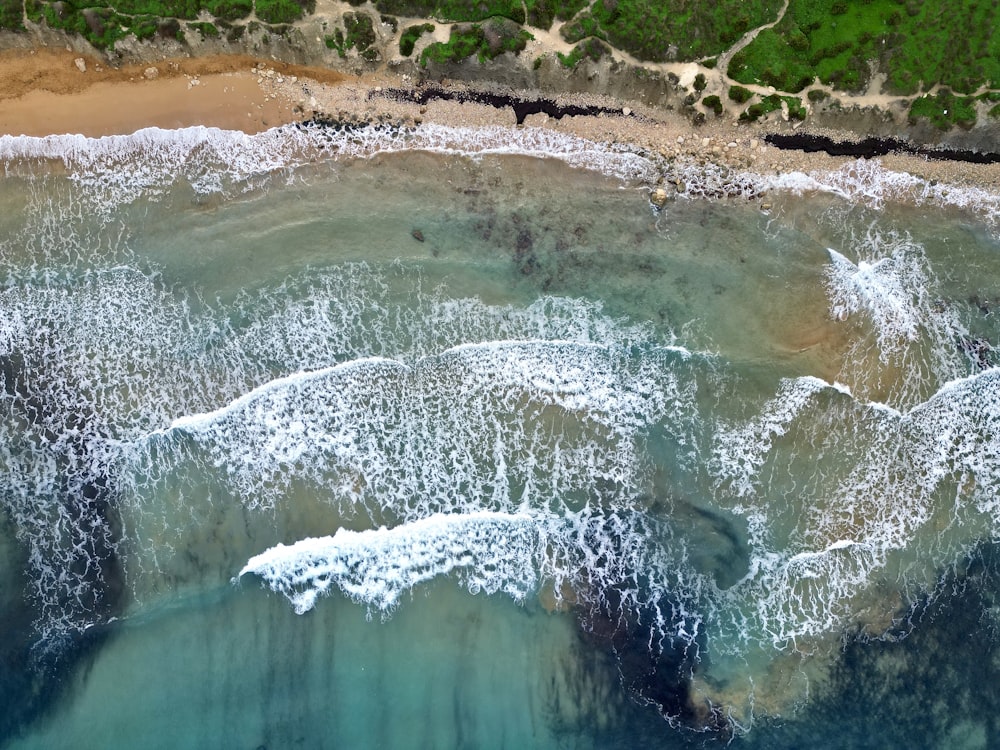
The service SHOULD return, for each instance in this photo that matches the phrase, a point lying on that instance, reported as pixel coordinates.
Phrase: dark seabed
(450, 439)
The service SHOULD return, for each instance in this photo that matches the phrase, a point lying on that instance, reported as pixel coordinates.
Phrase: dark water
(449, 439)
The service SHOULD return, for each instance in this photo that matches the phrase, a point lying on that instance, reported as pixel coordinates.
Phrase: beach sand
(44, 91)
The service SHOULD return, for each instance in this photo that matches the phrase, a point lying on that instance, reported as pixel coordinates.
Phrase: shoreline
(45, 92)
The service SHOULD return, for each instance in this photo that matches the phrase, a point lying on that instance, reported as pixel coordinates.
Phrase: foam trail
(119, 169)
(501, 420)
(194, 422)
(739, 453)
(893, 288)
(492, 552)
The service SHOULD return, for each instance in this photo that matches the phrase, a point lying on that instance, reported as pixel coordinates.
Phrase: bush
(410, 35)
(739, 94)
(278, 11)
(486, 41)
(713, 103)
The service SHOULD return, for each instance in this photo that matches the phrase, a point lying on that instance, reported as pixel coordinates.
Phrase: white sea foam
(911, 499)
(893, 287)
(492, 552)
(740, 452)
(119, 169)
(496, 423)
(118, 361)
(867, 182)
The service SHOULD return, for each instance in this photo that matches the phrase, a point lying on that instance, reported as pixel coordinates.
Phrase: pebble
(680, 139)
(732, 144)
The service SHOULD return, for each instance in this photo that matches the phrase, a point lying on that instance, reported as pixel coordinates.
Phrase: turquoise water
(450, 439)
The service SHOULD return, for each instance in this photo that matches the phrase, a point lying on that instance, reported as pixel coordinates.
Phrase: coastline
(45, 92)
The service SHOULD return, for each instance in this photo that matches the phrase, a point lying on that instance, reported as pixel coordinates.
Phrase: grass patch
(543, 13)
(229, 10)
(454, 10)
(772, 103)
(661, 30)
(485, 41)
(583, 26)
(944, 110)
(410, 35)
(594, 49)
(11, 15)
(207, 30)
(282, 11)
(953, 43)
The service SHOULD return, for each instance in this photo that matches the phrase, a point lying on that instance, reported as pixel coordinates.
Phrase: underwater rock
(659, 197)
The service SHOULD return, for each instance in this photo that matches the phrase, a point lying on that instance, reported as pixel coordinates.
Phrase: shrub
(739, 94)
(410, 36)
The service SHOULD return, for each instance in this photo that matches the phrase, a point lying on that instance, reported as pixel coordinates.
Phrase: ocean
(449, 438)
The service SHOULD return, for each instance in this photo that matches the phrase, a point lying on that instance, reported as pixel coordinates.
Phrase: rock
(151, 73)
(417, 235)
(626, 111)
(80, 64)
(765, 206)
(681, 187)
(732, 144)
(659, 197)
(680, 139)
(705, 142)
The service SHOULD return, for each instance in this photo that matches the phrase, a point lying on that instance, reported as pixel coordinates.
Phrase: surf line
(872, 147)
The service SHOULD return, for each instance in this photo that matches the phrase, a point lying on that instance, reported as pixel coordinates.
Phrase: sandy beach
(47, 91)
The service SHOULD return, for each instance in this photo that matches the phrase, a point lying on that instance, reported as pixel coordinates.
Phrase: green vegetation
(11, 15)
(590, 48)
(713, 103)
(205, 29)
(543, 13)
(944, 110)
(956, 43)
(486, 41)
(699, 82)
(410, 35)
(580, 28)
(229, 10)
(454, 10)
(772, 103)
(660, 30)
(283, 11)
(739, 94)
(358, 33)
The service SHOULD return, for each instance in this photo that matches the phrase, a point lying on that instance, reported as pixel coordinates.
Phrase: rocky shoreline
(608, 101)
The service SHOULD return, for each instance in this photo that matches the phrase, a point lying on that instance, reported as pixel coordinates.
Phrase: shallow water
(444, 439)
